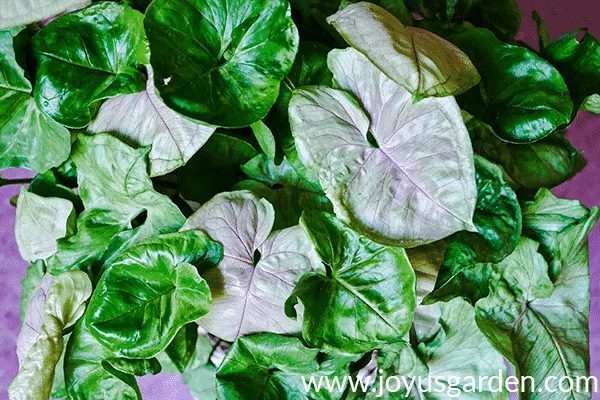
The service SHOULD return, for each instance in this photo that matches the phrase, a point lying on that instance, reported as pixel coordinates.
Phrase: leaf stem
(22, 181)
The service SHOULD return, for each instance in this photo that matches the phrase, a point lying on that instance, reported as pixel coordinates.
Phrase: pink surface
(561, 16)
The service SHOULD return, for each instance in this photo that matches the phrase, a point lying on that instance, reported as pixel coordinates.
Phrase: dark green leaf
(115, 189)
(215, 168)
(265, 366)
(137, 367)
(369, 286)
(465, 271)
(105, 46)
(155, 278)
(49, 184)
(221, 62)
(182, 347)
(578, 62)
(545, 163)
(526, 98)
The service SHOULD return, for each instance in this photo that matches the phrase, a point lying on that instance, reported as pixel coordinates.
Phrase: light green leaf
(365, 297)
(421, 62)
(142, 119)
(545, 163)
(592, 104)
(70, 78)
(525, 98)
(269, 366)
(115, 189)
(284, 188)
(28, 138)
(529, 318)
(89, 374)
(402, 181)
(215, 168)
(221, 61)
(41, 340)
(40, 222)
(265, 138)
(156, 278)
(20, 12)
(465, 270)
(34, 275)
(199, 376)
(458, 351)
(259, 269)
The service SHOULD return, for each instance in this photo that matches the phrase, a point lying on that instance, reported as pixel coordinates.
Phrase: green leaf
(465, 270)
(115, 189)
(375, 169)
(88, 370)
(40, 222)
(259, 269)
(309, 68)
(40, 342)
(418, 60)
(69, 79)
(19, 12)
(142, 119)
(266, 366)
(545, 163)
(265, 138)
(525, 97)
(182, 347)
(284, 188)
(578, 62)
(215, 168)
(51, 184)
(221, 62)
(369, 286)
(137, 367)
(592, 104)
(200, 374)
(459, 350)
(395, 7)
(28, 138)
(528, 317)
(156, 278)
(34, 275)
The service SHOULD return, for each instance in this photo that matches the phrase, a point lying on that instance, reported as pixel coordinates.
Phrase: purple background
(561, 16)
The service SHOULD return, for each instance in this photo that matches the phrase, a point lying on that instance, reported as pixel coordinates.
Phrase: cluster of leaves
(248, 192)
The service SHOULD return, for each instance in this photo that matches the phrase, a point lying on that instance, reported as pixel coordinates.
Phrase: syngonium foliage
(353, 219)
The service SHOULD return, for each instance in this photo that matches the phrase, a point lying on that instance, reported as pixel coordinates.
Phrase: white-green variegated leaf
(142, 119)
(62, 301)
(22, 12)
(259, 269)
(423, 63)
(40, 222)
(399, 172)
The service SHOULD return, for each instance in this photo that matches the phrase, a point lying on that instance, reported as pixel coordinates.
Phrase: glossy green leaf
(417, 165)
(183, 346)
(368, 286)
(545, 163)
(70, 78)
(115, 189)
(155, 278)
(528, 317)
(137, 367)
(266, 366)
(40, 222)
(41, 339)
(284, 188)
(142, 119)
(466, 269)
(458, 351)
(215, 168)
(221, 61)
(259, 268)
(19, 12)
(28, 138)
(89, 374)
(265, 138)
(421, 62)
(592, 104)
(578, 62)
(309, 68)
(525, 97)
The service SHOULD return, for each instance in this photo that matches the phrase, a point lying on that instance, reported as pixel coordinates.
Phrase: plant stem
(6, 182)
